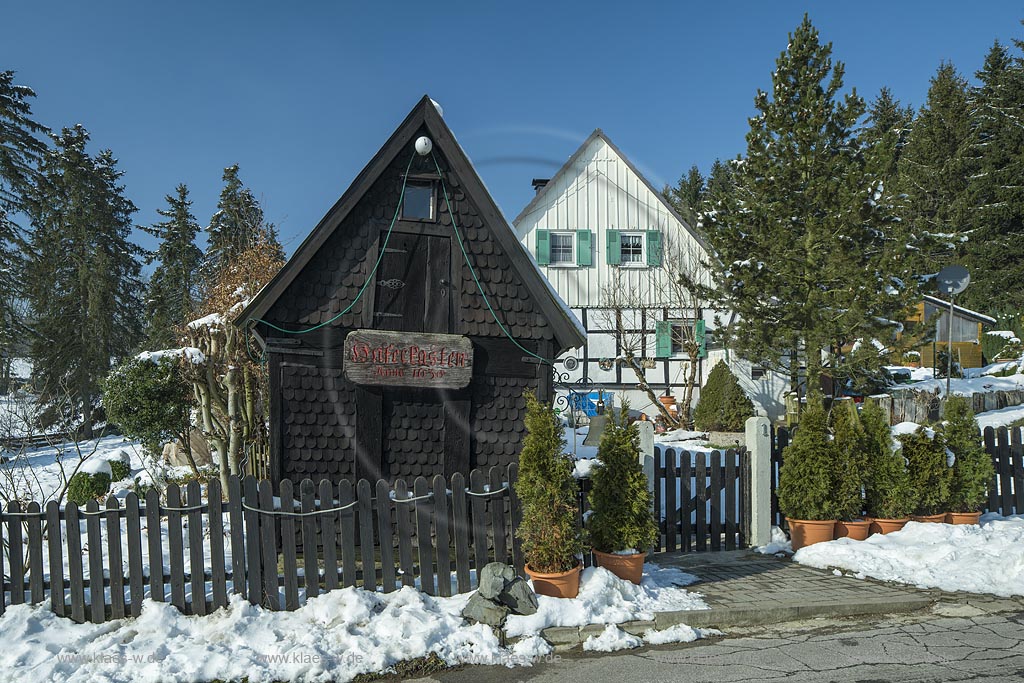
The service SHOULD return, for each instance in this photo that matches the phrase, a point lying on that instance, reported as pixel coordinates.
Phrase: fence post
(759, 444)
(646, 429)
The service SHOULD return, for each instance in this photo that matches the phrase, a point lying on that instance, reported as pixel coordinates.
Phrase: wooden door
(413, 284)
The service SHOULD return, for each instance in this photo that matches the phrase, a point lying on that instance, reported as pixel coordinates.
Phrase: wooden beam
(458, 452)
(369, 460)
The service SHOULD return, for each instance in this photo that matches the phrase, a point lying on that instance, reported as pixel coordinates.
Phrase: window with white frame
(563, 248)
(632, 248)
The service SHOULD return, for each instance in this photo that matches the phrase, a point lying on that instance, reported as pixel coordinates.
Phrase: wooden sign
(408, 359)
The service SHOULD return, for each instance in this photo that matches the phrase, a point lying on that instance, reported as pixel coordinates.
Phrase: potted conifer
(929, 472)
(806, 491)
(547, 493)
(850, 470)
(621, 526)
(972, 469)
(889, 496)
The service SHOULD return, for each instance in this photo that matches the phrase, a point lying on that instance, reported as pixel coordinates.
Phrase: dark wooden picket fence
(274, 551)
(1005, 494)
(703, 499)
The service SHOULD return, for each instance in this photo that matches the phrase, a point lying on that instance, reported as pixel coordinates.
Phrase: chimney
(539, 183)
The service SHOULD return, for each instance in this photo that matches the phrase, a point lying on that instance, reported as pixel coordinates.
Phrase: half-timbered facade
(613, 248)
(404, 331)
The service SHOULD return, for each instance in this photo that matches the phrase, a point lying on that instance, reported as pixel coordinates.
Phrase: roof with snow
(960, 310)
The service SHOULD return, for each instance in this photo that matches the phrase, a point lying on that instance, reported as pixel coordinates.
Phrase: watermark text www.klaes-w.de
(106, 658)
(307, 658)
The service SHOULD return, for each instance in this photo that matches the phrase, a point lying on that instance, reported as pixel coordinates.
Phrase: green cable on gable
(472, 270)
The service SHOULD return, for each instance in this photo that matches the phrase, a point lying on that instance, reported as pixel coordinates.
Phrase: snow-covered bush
(928, 469)
(547, 492)
(150, 399)
(723, 406)
(90, 482)
(120, 464)
(973, 472)
(1001, 344)
(806, 480)
(619, 497)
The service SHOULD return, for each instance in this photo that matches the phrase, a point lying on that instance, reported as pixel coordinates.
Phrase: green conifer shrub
(806, 480)
(850, 466)
(723, 406)
(149, 400)
(547, 493)
(86, 486)
(888, 493)
(928, 469)
(619, 497)
(973, 472)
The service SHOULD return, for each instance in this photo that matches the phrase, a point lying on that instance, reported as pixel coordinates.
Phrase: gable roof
(567, 330)
(960, 310)
(570, 164)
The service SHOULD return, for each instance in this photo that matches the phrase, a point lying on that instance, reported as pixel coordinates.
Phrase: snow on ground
(334, 637)
(605, 599)
(1000, 418)
(977, 380)
(779, 543)
(977, 559)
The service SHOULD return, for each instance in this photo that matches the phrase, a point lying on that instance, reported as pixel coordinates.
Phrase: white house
(611, 246)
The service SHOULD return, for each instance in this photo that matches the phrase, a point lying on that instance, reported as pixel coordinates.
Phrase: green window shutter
(653, 248)
(583, 251)
(543, 247)
(613, 247)
(663, 339)
(698, 332)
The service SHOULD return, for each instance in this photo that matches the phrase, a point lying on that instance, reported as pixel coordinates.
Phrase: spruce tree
(889, 124)
(810, 255)
(806, 479)
(723, 406)
(996, 185)
(237, 225)
(888, 492)
(84, 274)
(547, 491)
(20, 152)
(933, 172)
(850, 442)
(973, 472)
(619, 497)
(928, 469)
(687, 196)
(171, 299)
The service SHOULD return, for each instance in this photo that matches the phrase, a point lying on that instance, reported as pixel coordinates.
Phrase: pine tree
(996, 185)
(172, 295)
(619, 497)
(547, 491)
(973, 472)
(84, 276)
(933, 172)
(810, 254)
(237, 225)
(20, 151)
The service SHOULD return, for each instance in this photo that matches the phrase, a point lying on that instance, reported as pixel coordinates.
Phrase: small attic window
(418, 203)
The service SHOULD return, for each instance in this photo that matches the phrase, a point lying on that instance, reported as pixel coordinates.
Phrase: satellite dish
(953, 279)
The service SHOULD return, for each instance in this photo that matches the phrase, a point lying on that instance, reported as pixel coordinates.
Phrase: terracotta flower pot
(929, 519)
(627, 567)
(856, 530)
(887, 526)
(805, 532)
(557, 585)
(963, 517)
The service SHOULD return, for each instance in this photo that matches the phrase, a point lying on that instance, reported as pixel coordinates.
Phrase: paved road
(955, 642)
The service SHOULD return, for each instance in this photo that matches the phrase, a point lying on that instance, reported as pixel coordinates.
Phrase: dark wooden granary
(360, 386)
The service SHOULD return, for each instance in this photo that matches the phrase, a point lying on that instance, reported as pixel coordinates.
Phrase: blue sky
(301, 95)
